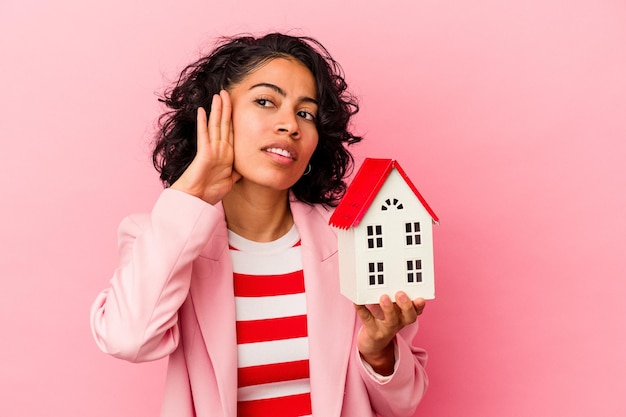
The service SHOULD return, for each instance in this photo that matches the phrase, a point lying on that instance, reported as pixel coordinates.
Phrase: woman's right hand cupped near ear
(211, 175)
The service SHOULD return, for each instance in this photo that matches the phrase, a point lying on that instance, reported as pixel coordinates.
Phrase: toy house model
(385, 233)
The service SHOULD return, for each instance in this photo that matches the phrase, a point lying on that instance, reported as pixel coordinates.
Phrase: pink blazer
(172, 294)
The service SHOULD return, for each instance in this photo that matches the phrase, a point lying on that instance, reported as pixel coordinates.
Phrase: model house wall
(387, 246)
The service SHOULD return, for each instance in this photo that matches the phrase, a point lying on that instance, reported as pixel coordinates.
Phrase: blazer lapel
(214, 303)
(331, 317)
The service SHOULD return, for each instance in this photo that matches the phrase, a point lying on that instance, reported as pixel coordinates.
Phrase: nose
(288, 125)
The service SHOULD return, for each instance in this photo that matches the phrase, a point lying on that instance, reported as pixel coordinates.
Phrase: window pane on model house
(414, 270)
(390, 204)
(374, 236)
(412, 233)
(376, 276)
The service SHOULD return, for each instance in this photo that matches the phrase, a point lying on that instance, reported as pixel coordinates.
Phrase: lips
(282, 150)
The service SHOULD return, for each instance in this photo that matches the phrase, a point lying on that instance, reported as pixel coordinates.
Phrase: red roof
(361, 192)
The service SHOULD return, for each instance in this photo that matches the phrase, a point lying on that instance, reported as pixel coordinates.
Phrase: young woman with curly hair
(234, 273)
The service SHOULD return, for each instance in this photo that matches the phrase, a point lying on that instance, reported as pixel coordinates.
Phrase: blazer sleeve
(136, 318)
(399, 394)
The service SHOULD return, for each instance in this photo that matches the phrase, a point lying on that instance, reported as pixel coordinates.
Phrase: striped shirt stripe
(261, 308)
(263, 353)
(251, 263)
(268, 285)
(252, 331)
(294, 405)
(276, 372)
(274, 389)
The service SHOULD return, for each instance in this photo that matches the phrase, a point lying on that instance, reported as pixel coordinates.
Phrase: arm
(380, 325)
(401, 392)
(136, 317)
(392, 366)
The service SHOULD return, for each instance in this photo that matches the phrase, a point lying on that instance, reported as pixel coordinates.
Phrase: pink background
(509, 116)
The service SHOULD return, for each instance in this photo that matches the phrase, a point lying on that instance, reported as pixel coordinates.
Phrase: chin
(272, 181)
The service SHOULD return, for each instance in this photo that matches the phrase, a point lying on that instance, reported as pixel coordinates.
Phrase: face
(274, 111)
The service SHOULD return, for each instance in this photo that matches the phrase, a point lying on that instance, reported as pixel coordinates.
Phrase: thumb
(364, 314)
(235, 176)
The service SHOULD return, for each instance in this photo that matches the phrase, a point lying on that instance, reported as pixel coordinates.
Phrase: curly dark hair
(227, 65)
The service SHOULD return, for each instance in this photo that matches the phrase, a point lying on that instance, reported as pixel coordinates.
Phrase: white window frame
(374, 236)
(376, 273)
(414, 270)
(412, 234)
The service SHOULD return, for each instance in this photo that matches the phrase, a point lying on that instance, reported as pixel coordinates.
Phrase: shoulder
(306, 208)
(313, 212)
(324, 211)
(174, 214)
(315, 232)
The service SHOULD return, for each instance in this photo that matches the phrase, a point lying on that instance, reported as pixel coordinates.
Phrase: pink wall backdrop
(510, 117)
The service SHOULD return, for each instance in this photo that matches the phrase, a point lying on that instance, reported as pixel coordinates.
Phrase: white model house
(385, 232)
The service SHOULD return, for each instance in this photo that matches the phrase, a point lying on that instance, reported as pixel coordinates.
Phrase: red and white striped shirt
(272, 338)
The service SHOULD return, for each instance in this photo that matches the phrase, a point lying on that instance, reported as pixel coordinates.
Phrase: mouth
(285, 153)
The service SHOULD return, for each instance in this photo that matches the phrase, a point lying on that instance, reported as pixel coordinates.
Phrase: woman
(234, 273)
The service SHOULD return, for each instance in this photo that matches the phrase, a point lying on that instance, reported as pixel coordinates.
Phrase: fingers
(401, 313)
(407, 312)
(211, 129)
(226, 132)
(215, 132)
(211, 176)
(226, 126)
(201, 130)
(419, 304)
(220, 119)
(215, 118)
(383, 321)
(388, 309)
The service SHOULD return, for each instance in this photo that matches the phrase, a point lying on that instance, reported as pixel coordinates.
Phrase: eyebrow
(282, 92)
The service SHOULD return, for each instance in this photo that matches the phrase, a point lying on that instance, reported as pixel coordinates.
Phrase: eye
(306, 115)
(264, 102)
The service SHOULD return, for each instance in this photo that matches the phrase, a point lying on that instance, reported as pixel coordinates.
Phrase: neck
(260, 215)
